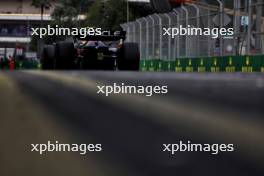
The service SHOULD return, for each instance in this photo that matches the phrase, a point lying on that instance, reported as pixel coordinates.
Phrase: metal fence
(244, 16)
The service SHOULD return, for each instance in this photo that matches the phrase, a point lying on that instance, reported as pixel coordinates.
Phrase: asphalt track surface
(39, 106)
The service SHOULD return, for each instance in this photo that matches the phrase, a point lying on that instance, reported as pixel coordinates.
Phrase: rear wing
(106, 36)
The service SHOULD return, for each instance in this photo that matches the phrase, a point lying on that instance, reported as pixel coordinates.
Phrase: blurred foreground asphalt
(36, 107)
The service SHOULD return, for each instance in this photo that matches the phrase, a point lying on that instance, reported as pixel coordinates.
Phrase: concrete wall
(20, 7)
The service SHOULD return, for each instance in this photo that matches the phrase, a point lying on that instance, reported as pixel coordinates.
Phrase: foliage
(109, 14)
(67, 12)
(46, 4)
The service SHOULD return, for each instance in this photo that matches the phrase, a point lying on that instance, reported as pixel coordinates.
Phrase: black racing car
(107, 52)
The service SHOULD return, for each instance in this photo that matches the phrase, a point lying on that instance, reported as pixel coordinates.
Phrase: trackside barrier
(245, 64)
(20, 65)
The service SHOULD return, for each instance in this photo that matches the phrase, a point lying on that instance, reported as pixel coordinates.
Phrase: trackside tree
(43, 5)
(86, 13)
(67, 12)
(105, 14)
(109, 14)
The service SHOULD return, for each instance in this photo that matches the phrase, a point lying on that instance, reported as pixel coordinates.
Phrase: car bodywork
(105, 52)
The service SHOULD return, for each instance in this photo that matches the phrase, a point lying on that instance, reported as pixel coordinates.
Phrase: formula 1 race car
(104, 52)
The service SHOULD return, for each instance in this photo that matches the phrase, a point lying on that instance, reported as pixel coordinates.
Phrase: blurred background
(215, 108)
(143, 20)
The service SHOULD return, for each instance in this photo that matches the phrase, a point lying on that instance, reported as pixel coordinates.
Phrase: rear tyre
(64, 55)
(48, 57)
(130, 57)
